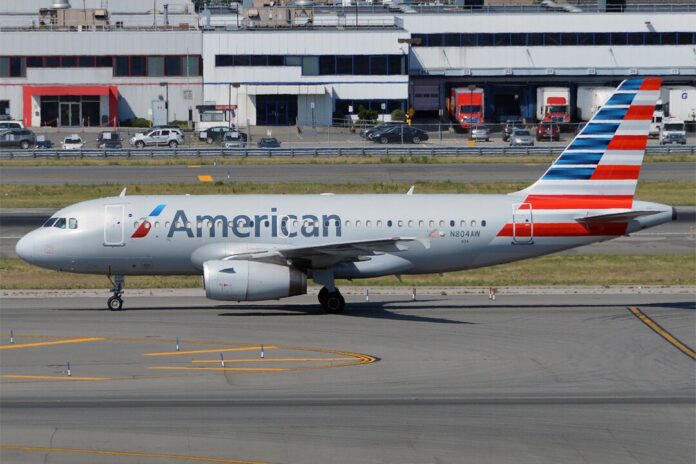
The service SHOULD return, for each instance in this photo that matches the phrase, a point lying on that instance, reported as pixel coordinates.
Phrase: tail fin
(600, 167)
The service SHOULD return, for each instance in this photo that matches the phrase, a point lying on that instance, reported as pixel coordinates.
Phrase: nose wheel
(331, 302)
(115, 303)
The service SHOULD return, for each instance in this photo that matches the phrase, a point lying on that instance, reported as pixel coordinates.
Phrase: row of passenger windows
(325, 64)
(357, 224)
(61, 223)
(555, 38)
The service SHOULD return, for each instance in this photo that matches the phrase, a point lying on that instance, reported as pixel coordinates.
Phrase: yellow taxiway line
(233, 369)
(218, 350)
(205, 178)
(52, 377)
(273, 360)
(132, 454)
(57, 342)
(658, 329)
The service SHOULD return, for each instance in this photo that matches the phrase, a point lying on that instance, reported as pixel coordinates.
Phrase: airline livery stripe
(610, 113)
(579, 158)
(640, 112)
(590, 144)
(631, 84)
(621, 99)
(651, 83)
(616, 172)
(622, 157)
(569, 173)
(594, 128)
(157, 211)
(579, 201)
(565, 230)
(628, 142)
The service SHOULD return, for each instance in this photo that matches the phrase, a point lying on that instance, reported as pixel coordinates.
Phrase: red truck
(552, 104)
(466, 106)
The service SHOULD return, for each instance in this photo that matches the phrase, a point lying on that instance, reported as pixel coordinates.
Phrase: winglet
(123, 192)
(411, 190)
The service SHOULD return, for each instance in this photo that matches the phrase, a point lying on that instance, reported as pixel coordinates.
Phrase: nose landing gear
(115, 303)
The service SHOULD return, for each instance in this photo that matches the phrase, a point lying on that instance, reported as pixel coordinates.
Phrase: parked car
(214, 134)
(367, 132)
(11, 125)
(268, 142)
(234, 139)
(399, 134)
(169, 137)
(73, 142)
(110, 140)
(548, 131)
(42, 143)
(510, 125)
(17, 138)
(521, 138)
(480, 132)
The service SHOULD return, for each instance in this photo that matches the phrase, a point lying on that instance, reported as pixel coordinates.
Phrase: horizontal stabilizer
(615, 217)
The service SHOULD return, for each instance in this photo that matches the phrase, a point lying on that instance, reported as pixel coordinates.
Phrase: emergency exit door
(522, 224)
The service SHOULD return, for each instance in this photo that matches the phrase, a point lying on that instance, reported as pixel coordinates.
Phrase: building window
(344, 64)
(121, 67)
(327, 65)
(13, 66)
(310, 66)
(69, 62)
(35, 62)
(104, 62)
(361, 65)
(172, 66)
(86, 62)
(378, 65)
(192, 66)
(155, 66)
(138, 66)
(258, 60)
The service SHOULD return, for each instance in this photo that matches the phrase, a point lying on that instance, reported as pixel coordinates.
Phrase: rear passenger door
(164, 137)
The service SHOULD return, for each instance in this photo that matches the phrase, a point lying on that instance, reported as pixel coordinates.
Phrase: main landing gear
(115, 303)
(331, 302)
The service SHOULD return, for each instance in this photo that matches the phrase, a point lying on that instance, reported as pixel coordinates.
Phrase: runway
(327, 173)
(446, 379)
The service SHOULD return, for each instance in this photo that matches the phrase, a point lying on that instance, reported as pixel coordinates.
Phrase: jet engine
(243, 280)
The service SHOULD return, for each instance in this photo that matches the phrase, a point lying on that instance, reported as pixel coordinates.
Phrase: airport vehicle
(268, 142)
(480, 132)
(259, 247)
(169, 137)
(656, 124)
(673, 131)
(590, 99)
(552, 104)
(399, 134)
(521, 137)
(110, 140)
(548, 131)
(680, 102)
(234, 139)
(466, 106)
(17, 138)
(214, 134)
(73, 142)
(510, 125)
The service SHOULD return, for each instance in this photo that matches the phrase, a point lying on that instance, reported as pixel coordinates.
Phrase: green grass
(559, 270)
(56, 196)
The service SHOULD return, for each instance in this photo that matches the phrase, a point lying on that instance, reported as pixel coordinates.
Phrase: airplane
(261, 247)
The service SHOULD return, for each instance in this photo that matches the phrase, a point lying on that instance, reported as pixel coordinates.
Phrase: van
(673, 131)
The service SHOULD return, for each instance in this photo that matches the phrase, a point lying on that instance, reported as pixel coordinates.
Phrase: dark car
(214, 134)
(109, 140)
(268, 142)
(400, 134)
(17, 138)
(369, 131)
(42, 143)
(548, 131)
(510, 126)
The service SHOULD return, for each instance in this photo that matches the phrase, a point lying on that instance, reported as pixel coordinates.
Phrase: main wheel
(115, 303)
(384, 140)
(25, 145)
(416, 139)
(209, 140)
(334, 303)
(173, 144)
(140, 145)
(322, 295)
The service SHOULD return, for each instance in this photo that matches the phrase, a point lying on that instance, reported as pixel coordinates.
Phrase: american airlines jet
(260, 247)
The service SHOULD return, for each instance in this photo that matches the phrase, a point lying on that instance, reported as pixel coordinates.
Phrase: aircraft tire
(334, 303)
(114, 303)
(322, 296)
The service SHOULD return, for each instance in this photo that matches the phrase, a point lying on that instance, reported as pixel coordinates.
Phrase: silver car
(521, 138)
(480, 133)
(170, 137)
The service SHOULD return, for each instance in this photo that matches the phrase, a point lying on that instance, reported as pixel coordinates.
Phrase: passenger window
(347, 223)
(72, 223)
(483, 223)
(156, 224)
(442, 223)
(389, 223)
(357, 223)
(60, 223)
(462, 223)
(432, 223)
(400, 223)
(473, 223)
(135, 225)
(379, 223)
(421, 223)
(451, 223)
(167, 224)
(410, 223)
(50, 222)
(368, 223)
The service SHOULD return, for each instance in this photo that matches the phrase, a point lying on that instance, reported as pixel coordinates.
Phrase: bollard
(413, 294)
(367, 294)
(11, 337)
(69, 372)
(493, 294)
(222, 360)
(261, 351)
(177, 343)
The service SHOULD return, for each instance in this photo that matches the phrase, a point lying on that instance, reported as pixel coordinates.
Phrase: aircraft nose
(25, 248)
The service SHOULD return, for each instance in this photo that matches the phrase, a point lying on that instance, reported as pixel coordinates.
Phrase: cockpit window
(50, 222)
(72, 223)
(60, 223)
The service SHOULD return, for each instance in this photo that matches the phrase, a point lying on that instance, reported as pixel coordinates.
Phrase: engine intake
(245, 280)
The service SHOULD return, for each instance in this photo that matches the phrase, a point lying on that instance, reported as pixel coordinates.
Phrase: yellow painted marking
(205, 178)
(53, 377)
(658, 329)
(178, 457)
(194, 166)
(224, 350)
(236, 369)
(272, 360)
(57, 342)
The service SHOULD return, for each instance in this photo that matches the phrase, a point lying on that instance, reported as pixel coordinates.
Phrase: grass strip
(56, 196)
(563, 270)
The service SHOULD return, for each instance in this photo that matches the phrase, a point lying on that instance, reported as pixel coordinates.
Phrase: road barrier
(399, 150)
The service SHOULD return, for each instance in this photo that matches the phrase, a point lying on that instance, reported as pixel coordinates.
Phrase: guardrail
(397, 150)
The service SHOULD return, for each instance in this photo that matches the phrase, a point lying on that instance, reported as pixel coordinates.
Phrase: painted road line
(132, 454)
(53, 377)
(57, 342)
(234, 369)
(224, 350)
(658, 329)
(205, 178)
(194, 166)
(273, 360)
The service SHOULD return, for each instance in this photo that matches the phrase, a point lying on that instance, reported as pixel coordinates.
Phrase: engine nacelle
(243, 280)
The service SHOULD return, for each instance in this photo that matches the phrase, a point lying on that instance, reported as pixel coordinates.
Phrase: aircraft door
(522, 223)
(114, 224)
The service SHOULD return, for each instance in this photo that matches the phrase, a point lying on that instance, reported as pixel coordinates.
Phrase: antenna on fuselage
(123, 192)
(411, 190)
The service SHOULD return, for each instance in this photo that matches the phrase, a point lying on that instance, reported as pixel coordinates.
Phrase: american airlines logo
(145, 226)
(243, 226)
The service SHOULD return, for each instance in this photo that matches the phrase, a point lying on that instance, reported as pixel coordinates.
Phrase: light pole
(166, 99)
(236, 85)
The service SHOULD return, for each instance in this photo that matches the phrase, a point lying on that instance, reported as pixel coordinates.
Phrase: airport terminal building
(315, 64)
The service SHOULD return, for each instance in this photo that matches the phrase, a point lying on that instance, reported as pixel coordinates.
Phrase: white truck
(673, 131)
(656, 123)
(553, 104)
(590, 99)
(680, 102)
